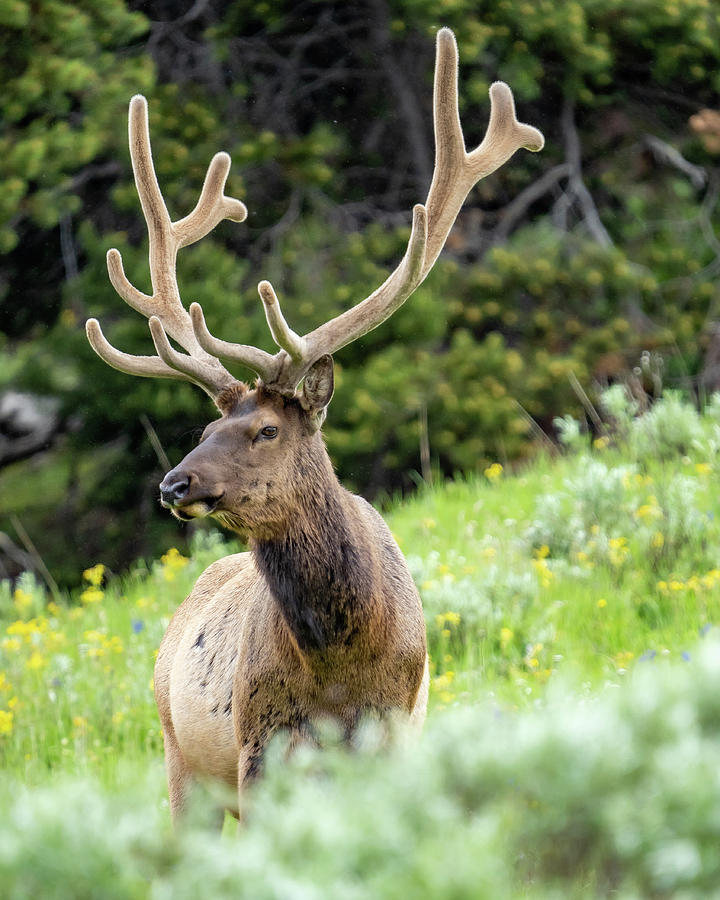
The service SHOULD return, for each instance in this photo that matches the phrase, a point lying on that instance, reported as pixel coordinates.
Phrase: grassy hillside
(572, 743)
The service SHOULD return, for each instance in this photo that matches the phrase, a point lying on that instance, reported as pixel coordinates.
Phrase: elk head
(254, 464)
(252, 461)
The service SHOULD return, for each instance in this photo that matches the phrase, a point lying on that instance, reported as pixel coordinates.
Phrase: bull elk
(321, 617)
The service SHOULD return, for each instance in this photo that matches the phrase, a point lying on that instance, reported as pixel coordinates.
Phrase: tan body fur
(230, 673)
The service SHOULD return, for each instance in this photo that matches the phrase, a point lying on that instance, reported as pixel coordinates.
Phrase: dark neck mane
(321, 569)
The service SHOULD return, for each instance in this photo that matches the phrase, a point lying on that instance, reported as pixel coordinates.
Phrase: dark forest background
(591, 262)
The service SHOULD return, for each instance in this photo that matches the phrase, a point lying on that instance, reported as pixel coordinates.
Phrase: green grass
(592, 578)
(605, 598)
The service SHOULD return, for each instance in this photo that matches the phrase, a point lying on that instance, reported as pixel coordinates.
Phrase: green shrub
(614, 795)
(671, 427)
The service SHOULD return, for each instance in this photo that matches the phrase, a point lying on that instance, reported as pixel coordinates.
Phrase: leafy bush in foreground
(610, 795)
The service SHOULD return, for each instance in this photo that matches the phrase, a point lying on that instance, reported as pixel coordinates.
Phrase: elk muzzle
(186, 497)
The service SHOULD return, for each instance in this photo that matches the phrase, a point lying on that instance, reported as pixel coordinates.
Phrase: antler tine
(455, 173)
(149, 366)
(212, 207)
(166, 237)
(164, 308)
(285, 369)
(383, 302)
(283, 335)
(263, 364)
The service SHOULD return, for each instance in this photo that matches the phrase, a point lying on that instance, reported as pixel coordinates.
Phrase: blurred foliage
(571, 262)
(611, 795)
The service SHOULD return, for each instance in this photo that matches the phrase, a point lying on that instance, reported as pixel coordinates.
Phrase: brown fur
(320, 619)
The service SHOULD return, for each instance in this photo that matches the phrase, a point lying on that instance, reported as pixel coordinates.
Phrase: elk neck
(322, 566)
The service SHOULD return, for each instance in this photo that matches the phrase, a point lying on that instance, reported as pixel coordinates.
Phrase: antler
(455, 173)
(164, 308)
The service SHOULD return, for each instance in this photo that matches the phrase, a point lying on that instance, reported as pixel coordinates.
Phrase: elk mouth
(195, 509)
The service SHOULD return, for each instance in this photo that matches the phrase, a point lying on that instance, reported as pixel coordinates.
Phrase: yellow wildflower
(531, 656)
(441, 686)
(6, 722)
(95, 575)
(601, 443)
(443, 682)
(22, 600)
(617, 551)
(92, 595)
(93, 635)
(174, 558)
(19, 628)
(711, 578)
(602, 603)
(493, 473)
(506, 635)
(115, 645)
(36, 661)
(703, 468)
(30, 632)
(649, 510)
(658, 540)
(543, 571)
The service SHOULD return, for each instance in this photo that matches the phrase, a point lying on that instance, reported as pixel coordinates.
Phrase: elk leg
(249, 767)
(179, 777)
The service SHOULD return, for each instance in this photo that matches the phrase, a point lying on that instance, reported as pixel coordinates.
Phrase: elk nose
(173, 488)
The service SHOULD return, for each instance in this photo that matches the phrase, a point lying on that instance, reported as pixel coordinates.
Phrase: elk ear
(317, 389)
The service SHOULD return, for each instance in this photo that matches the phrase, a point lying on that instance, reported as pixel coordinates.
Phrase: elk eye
(269, 431)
